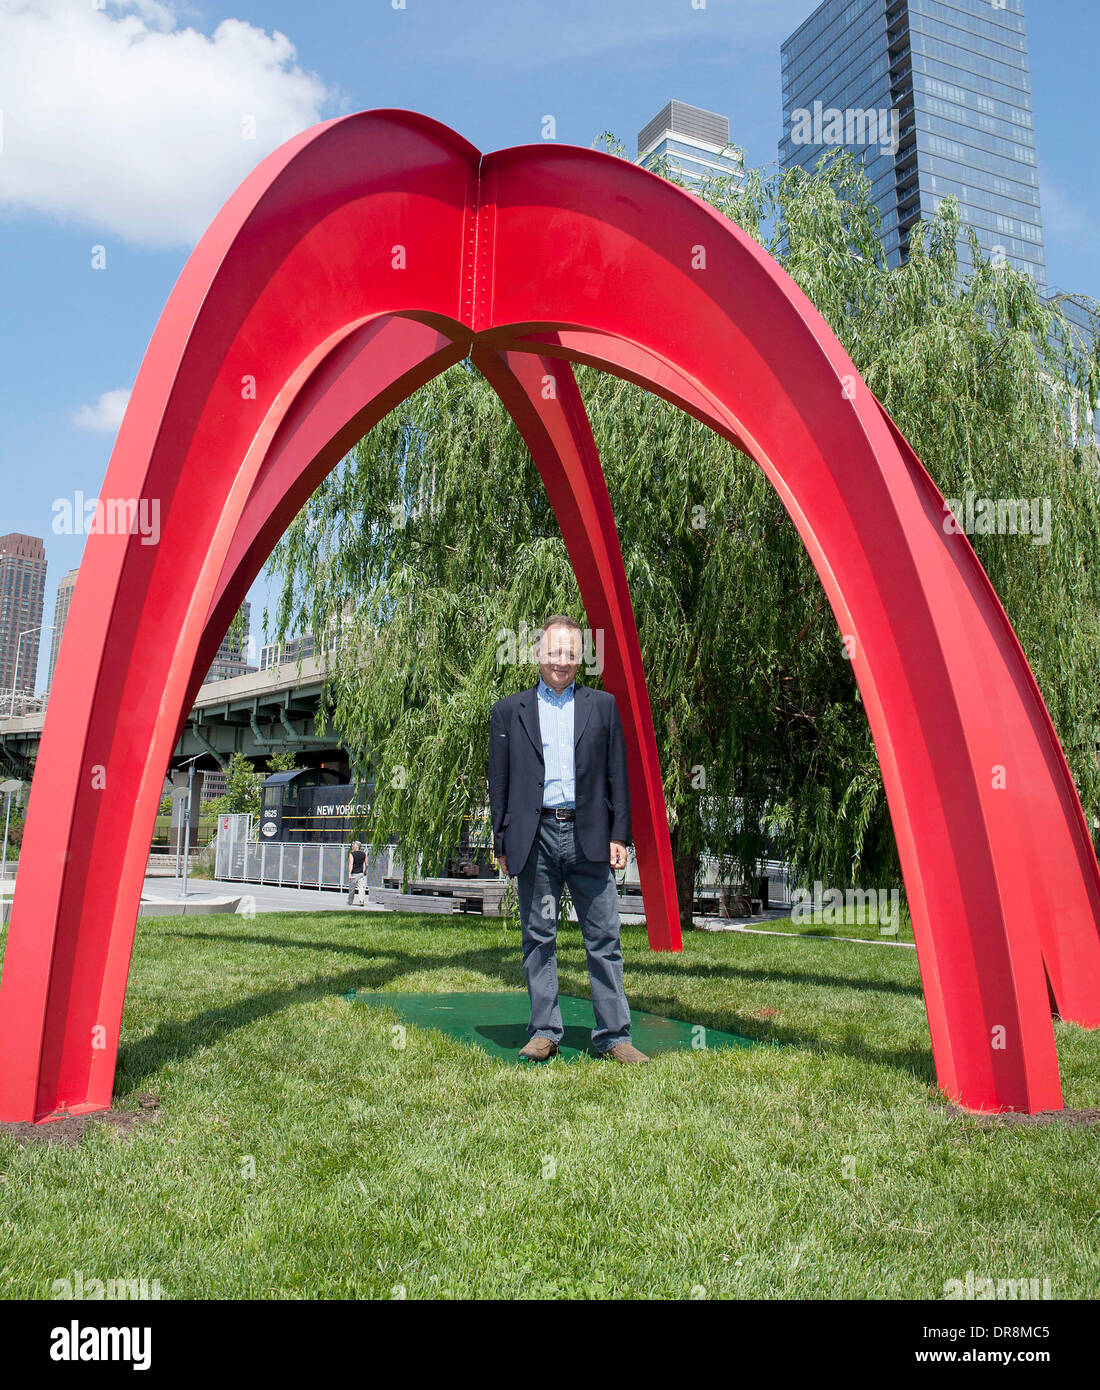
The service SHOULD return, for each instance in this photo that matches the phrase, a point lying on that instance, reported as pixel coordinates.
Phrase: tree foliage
(243, 783)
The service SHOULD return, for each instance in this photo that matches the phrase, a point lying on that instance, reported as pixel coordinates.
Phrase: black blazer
(516, 772)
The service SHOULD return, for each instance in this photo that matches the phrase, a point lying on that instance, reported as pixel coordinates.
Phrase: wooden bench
(734, 904)
(474, 895)
(396, 901)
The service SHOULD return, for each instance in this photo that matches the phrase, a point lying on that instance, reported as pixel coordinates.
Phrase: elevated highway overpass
(257, 714)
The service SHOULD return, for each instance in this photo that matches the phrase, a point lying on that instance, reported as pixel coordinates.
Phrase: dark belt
(560, 812)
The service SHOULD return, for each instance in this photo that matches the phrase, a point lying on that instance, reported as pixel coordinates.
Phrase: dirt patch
(71, 1129)
(1081, 1118)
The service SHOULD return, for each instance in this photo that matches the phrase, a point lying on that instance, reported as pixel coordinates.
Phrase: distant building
(214, 784)
(694, 142)
(1083, 332)
(275, 653)
(934, 97)
(232, 658)
(1076, 311)
(297, 648)
(60, 614)
(22, 593)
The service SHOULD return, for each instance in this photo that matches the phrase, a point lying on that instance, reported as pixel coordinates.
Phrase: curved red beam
(347, 221)
(388, 213)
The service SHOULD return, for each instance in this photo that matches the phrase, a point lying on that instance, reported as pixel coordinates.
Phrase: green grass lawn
(853, 926)
(826, 1168)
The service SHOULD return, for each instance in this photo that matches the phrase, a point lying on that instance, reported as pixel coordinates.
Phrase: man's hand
(503, 866)
(618, 854)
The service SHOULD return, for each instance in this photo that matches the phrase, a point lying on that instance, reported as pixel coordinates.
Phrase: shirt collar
(546, 693)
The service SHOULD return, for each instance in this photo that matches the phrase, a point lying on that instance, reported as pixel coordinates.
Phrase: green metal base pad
(497, 1023)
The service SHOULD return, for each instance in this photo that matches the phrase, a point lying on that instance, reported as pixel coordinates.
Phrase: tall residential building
(232, 657)
(60, 614)
(22, 591)
(695, 143)
(935, 97)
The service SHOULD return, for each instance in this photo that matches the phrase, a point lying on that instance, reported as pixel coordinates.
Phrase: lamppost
(179, 793)
(42, 627)
(10, 787)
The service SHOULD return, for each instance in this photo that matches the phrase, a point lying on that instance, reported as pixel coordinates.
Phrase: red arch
(355, 262)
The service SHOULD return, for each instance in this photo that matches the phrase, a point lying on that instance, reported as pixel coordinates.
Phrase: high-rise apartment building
(695, 143)
(934, 96)
(60, 613)
(232, 657)
(22, 591)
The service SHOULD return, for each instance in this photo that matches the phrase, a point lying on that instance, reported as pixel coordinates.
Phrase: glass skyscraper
(694, 142)
(934, 96)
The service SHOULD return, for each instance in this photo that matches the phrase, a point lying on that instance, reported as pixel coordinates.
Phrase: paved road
(255, 897)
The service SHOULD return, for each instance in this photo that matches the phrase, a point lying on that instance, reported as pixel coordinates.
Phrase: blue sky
(115, 121)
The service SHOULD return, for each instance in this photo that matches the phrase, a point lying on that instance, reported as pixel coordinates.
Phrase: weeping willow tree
(434, 538)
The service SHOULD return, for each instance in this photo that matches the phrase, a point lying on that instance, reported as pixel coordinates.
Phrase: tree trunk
(685, 865)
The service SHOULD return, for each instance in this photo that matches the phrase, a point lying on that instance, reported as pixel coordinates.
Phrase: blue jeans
(554, 860)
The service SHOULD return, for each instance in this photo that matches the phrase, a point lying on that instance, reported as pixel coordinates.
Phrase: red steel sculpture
(356, 262)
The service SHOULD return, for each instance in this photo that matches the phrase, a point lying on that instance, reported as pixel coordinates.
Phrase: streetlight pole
(185, 828)
(10, 787)
(42, 627)
(187, 825)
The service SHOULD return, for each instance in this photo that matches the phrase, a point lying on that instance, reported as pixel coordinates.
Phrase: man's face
(559, 656)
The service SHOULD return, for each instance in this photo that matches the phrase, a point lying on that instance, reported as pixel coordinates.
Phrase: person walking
(559, 799)
(357, 874)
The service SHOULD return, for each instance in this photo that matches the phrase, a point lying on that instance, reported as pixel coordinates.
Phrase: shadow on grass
(174, 1041)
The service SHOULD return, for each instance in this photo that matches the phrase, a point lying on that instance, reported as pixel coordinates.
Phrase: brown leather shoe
(625, 1052)
(539, 1049)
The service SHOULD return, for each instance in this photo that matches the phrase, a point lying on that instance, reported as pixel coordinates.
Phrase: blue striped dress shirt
(556, 727)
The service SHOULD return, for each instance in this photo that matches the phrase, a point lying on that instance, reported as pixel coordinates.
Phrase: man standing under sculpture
(560, 804)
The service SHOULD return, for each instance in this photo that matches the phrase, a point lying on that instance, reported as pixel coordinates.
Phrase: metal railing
(299, 865)
(240, 859)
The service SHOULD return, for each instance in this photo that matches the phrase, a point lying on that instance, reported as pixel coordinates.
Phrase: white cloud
(106, 415)
(122, 120)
